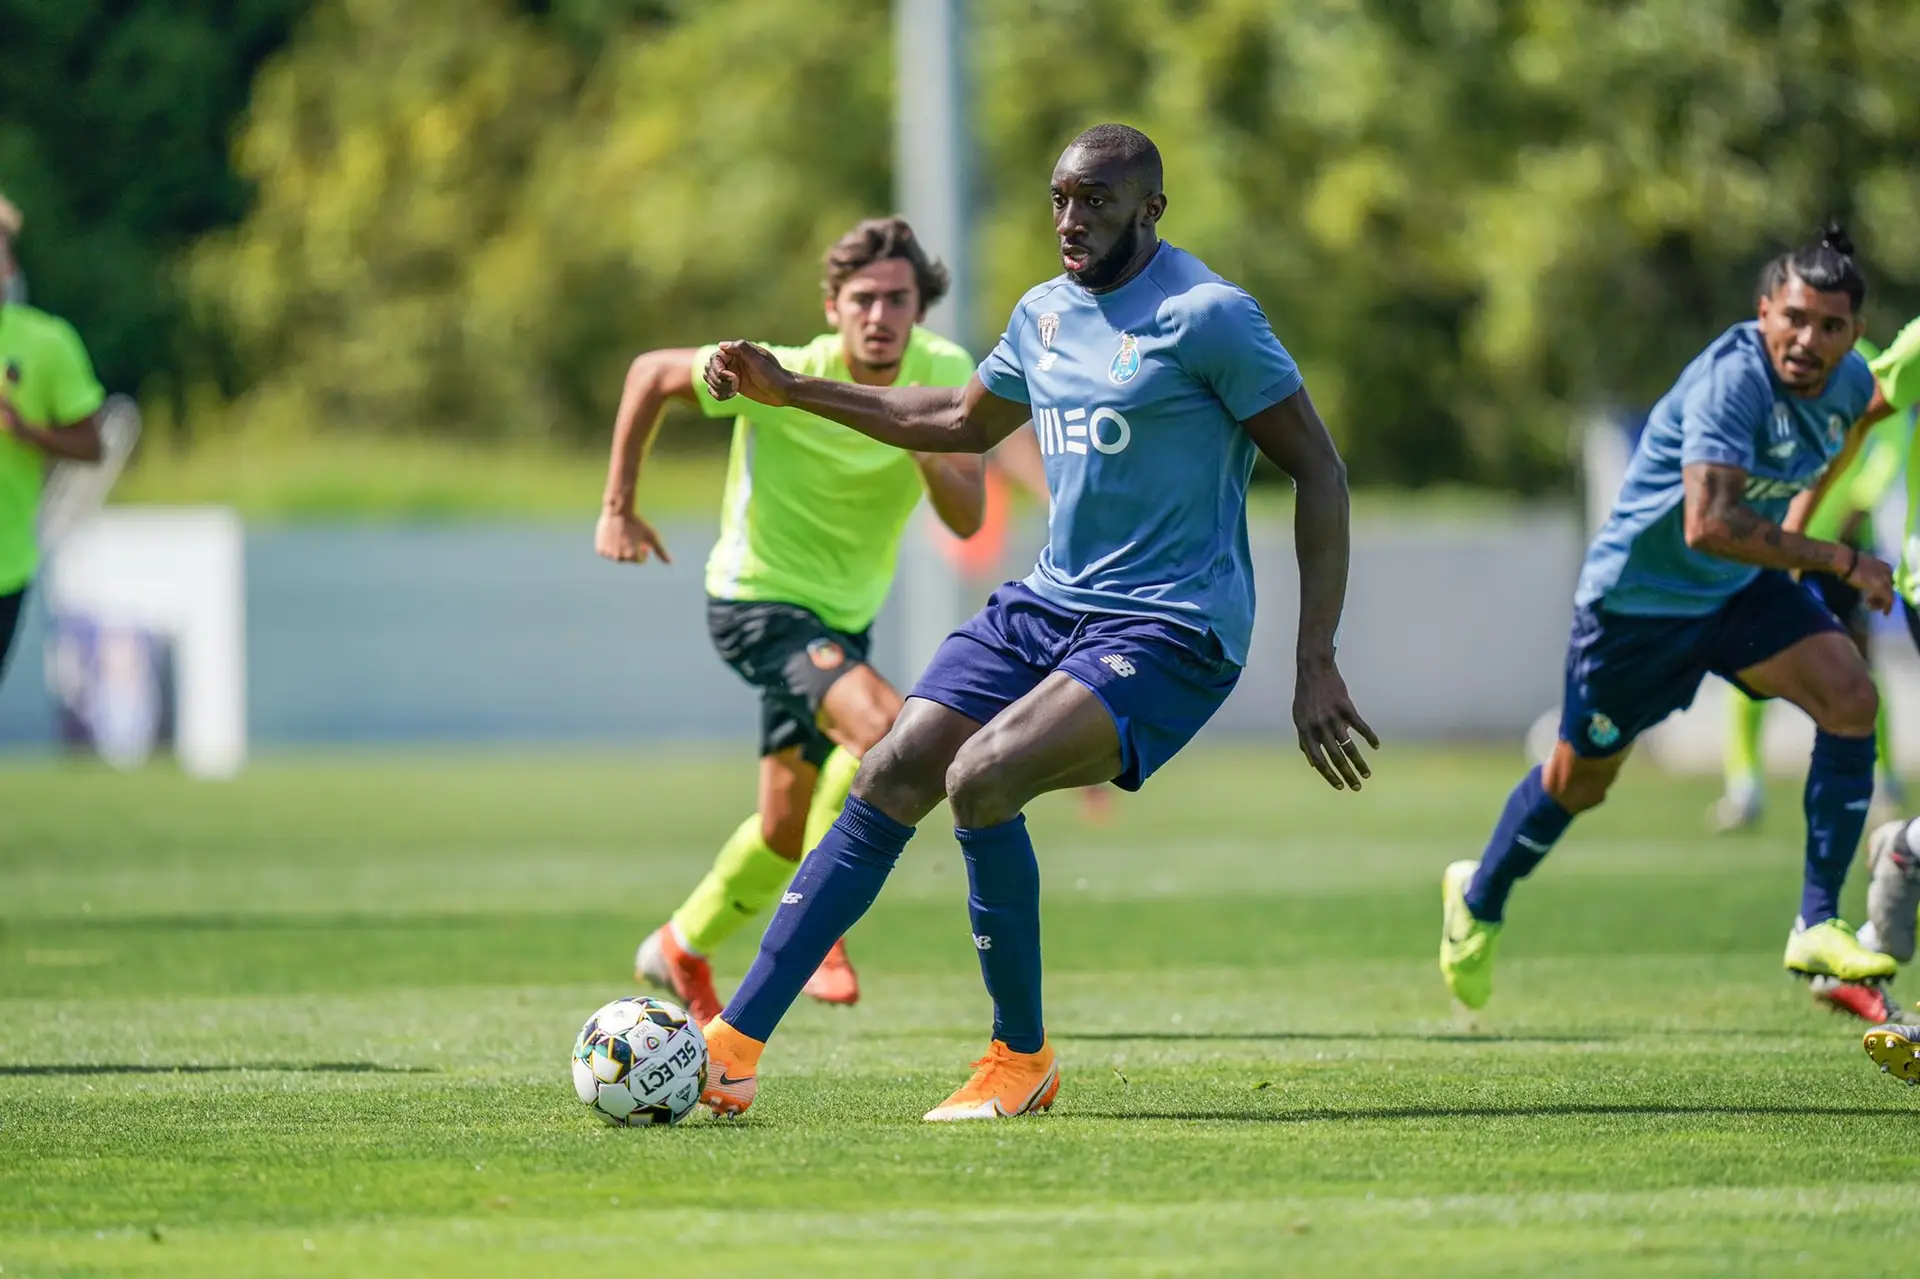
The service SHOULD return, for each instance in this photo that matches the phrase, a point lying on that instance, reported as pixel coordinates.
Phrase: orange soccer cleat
(664, 962)
(834, 981)
(1004, 1083)
(733, 1069)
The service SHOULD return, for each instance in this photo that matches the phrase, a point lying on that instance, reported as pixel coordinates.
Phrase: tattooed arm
(1720, 523)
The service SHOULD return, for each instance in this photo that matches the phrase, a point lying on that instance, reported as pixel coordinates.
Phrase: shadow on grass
(1312, 1036)
(1423, 1037)
(1387, 1114)
(56, 1069)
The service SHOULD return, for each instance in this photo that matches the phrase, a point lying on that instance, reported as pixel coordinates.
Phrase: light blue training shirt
(1729, 408)
(1138, 395)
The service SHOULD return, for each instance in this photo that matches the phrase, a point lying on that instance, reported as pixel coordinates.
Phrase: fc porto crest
(1049, 327)
(1126, 361)
(1601, 731)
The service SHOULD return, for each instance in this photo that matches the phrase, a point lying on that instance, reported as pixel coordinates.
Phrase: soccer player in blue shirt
(1691, 575)
(1150, 382)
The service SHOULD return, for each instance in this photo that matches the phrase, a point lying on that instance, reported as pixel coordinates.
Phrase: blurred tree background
(1471, 220)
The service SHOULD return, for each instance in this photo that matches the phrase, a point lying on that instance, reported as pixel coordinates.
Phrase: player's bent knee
(1576, 783)
(900, 779)
(981, 789)
(1852, 709)
(869, 730)
(860, 710)
(784, 833)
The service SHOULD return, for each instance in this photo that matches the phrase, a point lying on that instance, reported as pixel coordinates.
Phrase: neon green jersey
(814, 510)
(56, 388)
(1868, 478)
(1897, 369)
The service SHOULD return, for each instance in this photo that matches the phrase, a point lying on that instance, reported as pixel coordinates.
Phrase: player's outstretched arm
(1720, 523)
(1293, 437)
(652, 379)
(922, 419)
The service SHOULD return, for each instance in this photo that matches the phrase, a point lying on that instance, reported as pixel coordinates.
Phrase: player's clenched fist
(627, 539)
(1873, 578)
(741, 368)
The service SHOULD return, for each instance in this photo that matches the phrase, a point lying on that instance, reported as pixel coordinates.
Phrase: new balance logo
(982, 942)
(792, 899)
(1118, 665)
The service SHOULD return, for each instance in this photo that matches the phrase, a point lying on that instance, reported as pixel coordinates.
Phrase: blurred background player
(1690, 576)
(1893, 889)
(810, 529)
(1841, 511)
(49, 399)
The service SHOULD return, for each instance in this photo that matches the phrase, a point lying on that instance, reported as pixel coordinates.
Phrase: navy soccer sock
(1839, 792)
(835, 885)
(1004, 905)
(1528, 828)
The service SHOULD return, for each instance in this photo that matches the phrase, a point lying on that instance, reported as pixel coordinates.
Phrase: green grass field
(316, 1022)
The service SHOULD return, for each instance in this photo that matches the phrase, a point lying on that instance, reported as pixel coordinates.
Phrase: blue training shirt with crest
(1138, 395)
(1729, 408)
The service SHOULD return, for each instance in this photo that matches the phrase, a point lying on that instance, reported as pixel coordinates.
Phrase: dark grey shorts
(11, 606)
(793, 658)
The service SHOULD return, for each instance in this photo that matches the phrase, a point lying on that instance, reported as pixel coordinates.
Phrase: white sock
(1870, 937)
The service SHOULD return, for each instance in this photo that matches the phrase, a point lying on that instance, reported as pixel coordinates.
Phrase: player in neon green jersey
(1893, 892)
(48, 401)
(1844, 514)
(810, 526)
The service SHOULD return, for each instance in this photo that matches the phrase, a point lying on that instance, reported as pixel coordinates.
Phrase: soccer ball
(640, 1061)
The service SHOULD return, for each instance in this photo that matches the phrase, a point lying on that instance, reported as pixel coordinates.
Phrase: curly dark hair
(876, 240)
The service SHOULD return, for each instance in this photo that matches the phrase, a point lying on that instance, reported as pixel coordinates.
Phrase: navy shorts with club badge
(1160, 682)
(1627, 673)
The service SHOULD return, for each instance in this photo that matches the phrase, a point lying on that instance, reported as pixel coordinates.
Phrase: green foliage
(468, 225)
(114, 119)
(1472, 220)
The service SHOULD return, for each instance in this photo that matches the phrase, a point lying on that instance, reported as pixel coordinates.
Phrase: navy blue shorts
(1627, 673)
(1159, 681)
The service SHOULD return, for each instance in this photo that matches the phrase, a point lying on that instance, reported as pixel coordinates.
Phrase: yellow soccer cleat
(1896, 1050)
(1829, 949)
(1466, 944)
(733, 1065)
(1004, 1084)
